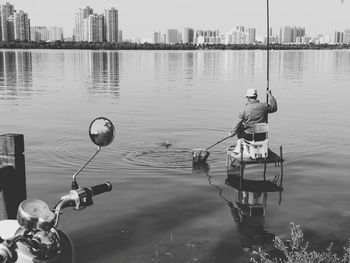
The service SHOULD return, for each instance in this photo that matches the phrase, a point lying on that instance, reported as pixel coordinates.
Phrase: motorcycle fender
(67, 255)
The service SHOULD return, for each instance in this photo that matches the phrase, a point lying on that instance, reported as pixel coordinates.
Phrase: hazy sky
(138, 18)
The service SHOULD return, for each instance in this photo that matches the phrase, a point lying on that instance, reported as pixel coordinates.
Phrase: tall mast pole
(267, 54)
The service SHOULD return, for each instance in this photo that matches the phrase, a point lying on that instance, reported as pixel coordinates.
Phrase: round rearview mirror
(101, 131)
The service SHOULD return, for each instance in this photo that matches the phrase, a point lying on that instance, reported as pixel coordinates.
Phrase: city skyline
(139, 18)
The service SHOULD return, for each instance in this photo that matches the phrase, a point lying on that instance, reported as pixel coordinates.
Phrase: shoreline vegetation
(297, 250)
(149, 46)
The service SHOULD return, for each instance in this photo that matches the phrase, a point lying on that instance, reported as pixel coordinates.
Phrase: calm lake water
(160, 210)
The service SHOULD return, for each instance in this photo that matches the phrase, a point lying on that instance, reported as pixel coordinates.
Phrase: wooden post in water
(12, 174)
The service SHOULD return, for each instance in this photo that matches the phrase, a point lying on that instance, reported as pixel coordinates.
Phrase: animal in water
(165, 144)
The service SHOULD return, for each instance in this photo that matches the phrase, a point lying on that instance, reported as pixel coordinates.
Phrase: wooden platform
(237, 161)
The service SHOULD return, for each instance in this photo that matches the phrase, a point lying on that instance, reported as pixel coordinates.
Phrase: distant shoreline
(148, 46)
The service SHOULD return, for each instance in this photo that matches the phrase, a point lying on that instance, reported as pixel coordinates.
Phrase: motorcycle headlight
(35, 214)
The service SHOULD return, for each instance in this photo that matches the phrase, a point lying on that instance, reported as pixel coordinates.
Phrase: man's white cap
(251, 93)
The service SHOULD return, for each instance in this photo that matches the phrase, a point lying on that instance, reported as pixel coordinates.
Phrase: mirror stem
(74, 182)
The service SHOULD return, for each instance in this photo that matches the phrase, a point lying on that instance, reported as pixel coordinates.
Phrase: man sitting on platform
(253, 112)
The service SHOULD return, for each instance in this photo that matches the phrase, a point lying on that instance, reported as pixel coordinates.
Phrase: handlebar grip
(101, 188)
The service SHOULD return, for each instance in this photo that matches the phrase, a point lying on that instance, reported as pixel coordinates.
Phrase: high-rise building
(346, 37)
(338, 37)
(238, 37)
(21, 26)
(11, 28)
(286, 35)
(179, 37)
(101, 28)
(188, 35)
(199, 32)
(55, 34)
(111, 24)
(34, 34)
(297, 32)
(120, 36)
(303, 40)
(39, 33)
(323, 39)
(94, 28)
(252, 35)
(6, 17)
(157, 37)
(42, 33)
(240, 28)
(79, 31)
(172, 35)
(289, 34)
(228, 39)
(207, 36)
(294, 34)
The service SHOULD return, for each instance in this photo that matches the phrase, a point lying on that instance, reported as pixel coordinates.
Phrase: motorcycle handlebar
(101, 188)
(5, 252)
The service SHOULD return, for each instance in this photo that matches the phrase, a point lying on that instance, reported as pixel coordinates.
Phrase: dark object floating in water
(166, 144)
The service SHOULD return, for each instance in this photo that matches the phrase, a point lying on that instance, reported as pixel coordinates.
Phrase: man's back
(256, 111)
(253, 112)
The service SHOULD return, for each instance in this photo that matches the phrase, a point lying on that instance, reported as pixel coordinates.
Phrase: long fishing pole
(267, 55)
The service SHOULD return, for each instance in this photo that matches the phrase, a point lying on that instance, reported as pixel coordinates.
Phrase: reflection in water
(242, 65)
(211, 62)
(248, 212)
(174, 66)
(189, 68)
(251, 64)
(292, 64)
(157, 65)
(248, 207)
(207, 65)
(104, 72)
(341, 64)
(186, 68)
(201, 167)
(15, 74)
(249, 216)
(161, 155)
(100, 71)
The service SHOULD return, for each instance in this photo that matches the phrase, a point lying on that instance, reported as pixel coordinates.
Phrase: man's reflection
(248, 211)
(248, 206)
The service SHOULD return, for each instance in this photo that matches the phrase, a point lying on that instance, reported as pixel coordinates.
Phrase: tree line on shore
(150, 46)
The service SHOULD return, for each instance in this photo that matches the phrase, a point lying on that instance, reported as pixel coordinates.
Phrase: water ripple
(157, 155)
